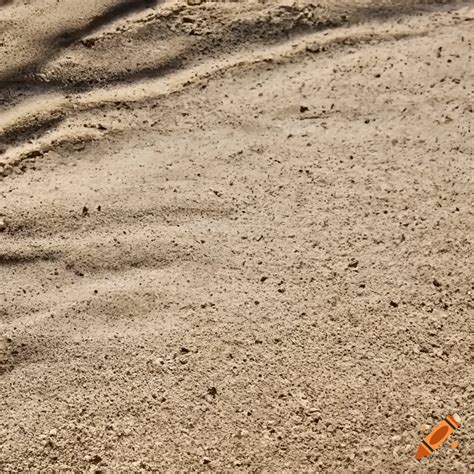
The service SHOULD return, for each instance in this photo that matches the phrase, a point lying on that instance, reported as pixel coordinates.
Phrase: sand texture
(235, 236)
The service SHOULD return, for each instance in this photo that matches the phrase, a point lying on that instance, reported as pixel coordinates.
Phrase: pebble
(88, 43)
(212, 391)
(93, 459)
(424, 428)
(3, 224)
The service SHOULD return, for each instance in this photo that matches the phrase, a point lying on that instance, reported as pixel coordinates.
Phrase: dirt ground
(235, 236)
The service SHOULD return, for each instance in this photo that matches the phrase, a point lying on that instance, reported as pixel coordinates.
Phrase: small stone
(212, 391)
(85, 211)
(93, 459)
(393, 304)
(436, 283)
(353, 264)
(48, 443)
(185, 350)
(88, 42)
(424, 428)
(53, 432)
(206, 460)
(303, 109)
(3, 224)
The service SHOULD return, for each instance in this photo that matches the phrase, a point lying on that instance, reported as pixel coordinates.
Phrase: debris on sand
(353, 264)
(212, 391)
(424, 428)
(4, 349)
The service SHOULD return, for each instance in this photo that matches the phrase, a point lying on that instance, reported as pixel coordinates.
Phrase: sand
(235, 236)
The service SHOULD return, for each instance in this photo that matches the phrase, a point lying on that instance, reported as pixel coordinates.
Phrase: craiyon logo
(438, 436)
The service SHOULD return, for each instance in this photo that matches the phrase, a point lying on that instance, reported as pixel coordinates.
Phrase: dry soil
(235, 236)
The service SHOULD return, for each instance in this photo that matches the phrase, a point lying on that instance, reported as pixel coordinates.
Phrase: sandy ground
(235, 236)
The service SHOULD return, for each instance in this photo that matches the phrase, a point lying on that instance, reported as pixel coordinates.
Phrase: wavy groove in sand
(227, 30)
(46, 112)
